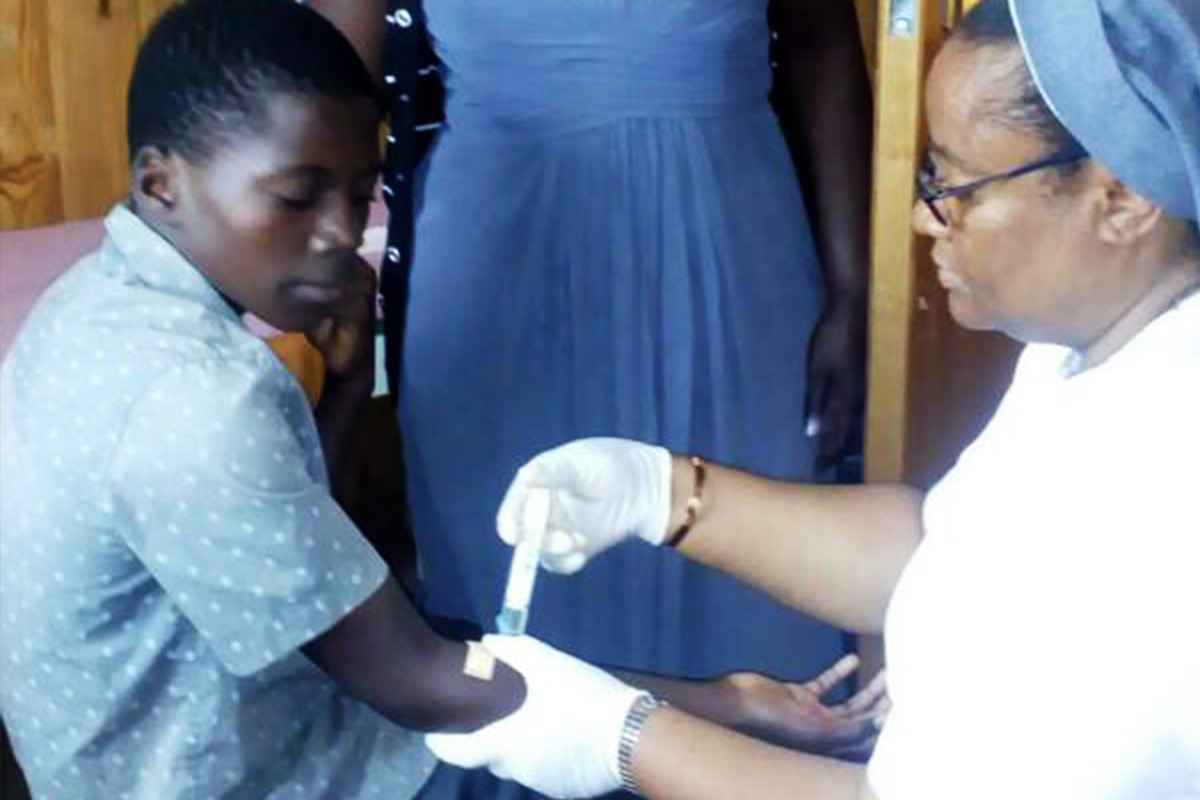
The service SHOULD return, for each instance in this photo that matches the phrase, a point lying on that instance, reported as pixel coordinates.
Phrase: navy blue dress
(609, 241)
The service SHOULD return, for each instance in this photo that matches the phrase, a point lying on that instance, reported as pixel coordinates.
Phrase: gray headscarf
(1123, 76)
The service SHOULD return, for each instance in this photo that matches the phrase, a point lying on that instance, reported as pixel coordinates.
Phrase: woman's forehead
(974, 100)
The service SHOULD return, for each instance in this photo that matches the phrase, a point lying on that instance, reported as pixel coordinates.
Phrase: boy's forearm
(711, 700)
(384, 654)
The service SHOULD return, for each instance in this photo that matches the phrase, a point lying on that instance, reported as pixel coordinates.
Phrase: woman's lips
(947, 277)
(950, 280)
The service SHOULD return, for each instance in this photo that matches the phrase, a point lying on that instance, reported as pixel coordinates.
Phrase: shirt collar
(159, 263)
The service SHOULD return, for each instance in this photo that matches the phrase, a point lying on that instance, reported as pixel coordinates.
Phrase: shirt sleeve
(221, 488)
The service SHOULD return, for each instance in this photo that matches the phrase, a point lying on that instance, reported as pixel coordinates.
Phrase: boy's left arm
(793, 715)
(386, 655)
(346, 342)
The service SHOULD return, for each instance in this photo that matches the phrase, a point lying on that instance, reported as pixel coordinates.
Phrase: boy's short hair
(208, 68)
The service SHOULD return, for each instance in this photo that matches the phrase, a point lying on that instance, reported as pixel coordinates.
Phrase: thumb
(466, 750)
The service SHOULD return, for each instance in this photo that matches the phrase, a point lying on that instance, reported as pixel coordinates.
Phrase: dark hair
(1022, 107)
(207, 69)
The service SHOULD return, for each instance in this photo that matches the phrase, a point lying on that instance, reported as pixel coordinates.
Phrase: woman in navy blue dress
(611, 239)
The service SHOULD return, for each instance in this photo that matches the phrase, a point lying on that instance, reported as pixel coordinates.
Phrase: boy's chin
(293, 320)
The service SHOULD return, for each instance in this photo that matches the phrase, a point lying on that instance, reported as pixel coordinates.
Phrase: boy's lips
(317, 292)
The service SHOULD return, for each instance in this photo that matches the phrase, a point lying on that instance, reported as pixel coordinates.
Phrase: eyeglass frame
(931, 195)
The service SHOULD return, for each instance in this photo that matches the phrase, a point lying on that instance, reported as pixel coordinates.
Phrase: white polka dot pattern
(167, 543)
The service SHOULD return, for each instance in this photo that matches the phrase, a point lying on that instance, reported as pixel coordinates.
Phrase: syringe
(522, 572)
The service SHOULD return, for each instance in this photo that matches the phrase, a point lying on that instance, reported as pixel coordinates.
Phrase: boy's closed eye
(297, 192)
(303, 193)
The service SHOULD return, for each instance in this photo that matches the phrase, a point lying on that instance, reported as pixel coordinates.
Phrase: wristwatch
(641, 709)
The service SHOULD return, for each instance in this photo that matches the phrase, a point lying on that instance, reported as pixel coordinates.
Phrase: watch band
(641, 709)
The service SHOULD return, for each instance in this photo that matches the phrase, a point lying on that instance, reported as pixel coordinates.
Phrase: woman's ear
(155, 182)
(1125, 215)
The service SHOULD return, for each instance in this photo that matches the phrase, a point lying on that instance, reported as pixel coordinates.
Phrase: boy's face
(274, 220)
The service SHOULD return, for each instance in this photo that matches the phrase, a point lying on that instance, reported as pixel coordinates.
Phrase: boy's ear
(155, 181)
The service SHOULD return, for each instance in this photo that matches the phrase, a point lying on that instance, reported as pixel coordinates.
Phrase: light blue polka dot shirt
(167, 543)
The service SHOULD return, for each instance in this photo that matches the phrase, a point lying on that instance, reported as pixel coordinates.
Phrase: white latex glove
(563, 740)
(602, 491)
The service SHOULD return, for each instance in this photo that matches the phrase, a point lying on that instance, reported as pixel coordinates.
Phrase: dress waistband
(548, 85)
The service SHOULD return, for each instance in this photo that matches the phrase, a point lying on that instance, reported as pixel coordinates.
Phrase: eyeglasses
(930, 192)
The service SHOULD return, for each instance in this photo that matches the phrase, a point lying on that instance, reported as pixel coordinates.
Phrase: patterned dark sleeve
(414, 97)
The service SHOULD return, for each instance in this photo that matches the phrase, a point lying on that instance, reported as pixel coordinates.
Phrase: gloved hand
(563, 740)
(602, 491)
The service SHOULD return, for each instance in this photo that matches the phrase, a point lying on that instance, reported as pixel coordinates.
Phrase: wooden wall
(64, 66)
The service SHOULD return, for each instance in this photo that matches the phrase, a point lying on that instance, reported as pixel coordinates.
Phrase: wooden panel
(868, 22)
(30, 182)
(896, 256)
(932, 384)
(64, 68)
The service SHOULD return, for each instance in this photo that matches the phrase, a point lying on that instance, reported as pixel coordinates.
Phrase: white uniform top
(1044, 641)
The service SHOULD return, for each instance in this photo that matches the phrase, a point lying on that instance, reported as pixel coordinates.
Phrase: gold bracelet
(695, 503)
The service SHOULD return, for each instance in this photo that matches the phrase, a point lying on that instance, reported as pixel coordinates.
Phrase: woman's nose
(925, 222)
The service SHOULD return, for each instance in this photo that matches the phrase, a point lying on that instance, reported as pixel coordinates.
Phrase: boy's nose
(341, 226)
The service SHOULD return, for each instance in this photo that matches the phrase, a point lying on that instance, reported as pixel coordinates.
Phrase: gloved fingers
(520, 652)
(561, 471)
(566, 563)
(512, 510)
(563, 552)
(563, 548)
(469, 751)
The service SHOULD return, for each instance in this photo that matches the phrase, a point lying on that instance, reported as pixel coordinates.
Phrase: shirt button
(403, 18)
(389, 79)
(393, 254)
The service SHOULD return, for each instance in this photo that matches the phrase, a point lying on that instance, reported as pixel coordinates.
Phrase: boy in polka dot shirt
(185, 611)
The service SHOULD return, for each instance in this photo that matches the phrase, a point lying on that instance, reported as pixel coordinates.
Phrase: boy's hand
(795, 715)
(346, 340)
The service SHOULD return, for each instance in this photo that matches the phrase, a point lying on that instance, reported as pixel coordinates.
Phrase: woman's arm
(362, 22)
(835, 552)
(679, 757)
(822, 96)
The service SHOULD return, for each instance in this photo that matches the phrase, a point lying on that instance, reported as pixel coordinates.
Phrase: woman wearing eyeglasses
(1040, 603)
